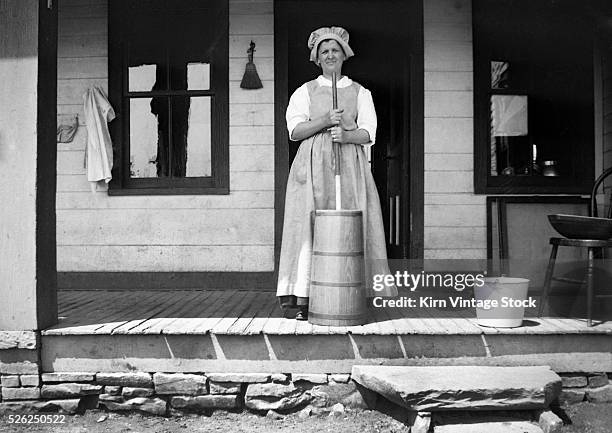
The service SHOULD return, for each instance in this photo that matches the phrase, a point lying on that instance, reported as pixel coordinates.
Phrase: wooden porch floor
(233, 312)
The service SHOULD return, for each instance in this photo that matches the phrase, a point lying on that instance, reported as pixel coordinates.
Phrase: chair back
(593, 205)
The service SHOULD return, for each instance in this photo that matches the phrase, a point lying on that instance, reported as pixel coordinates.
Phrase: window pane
(145, 134)
(198, 76)
(191, 133)
(510, 150)
(142, 78)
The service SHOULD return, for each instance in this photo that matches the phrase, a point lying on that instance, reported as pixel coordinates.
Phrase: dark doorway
(385, 36)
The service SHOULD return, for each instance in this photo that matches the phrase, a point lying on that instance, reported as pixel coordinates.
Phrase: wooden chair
(595, 248)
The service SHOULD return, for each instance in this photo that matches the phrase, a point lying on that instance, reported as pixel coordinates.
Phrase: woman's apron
(311, 185)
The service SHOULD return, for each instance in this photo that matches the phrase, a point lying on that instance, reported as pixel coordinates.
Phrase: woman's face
(330, 56)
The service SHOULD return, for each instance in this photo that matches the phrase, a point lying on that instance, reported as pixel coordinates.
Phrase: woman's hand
(310, 127)
(335, 115)
(338, 134)
(355, 136)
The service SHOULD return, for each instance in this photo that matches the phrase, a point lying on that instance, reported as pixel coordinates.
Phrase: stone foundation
(593, 387)
(169, 394)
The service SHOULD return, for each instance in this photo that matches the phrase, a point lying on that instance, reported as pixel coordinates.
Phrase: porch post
(28, 87)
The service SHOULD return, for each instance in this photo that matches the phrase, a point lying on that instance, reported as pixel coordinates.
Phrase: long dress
(311, 185)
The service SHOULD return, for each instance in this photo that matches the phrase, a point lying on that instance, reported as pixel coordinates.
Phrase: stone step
(490, 427)
(428, 389)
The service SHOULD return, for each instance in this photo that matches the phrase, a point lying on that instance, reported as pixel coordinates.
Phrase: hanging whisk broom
(250, 79)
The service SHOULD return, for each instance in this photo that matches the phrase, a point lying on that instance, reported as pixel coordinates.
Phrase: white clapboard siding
(449, 135)
(455, 237)
(82, 46)
(156, 258)
(255, 96)
(449, 104)
(607, 155)
(448, 56)
(461, 253)
(166, 227)
(455, 218)
(448, 181)
(247, 181)
(71, 27)
(449, 162)
(447, 11)
(72, 109)
(438, 31)
(71, 200)
(82, 67)
(251, 158)
(251, 135)
(452, 80)
(455, 215)
(251, 115)
(235, 232)
(66, 5)
(240, 43)
(71, 90)
(71, 162)
(255, 24)
(462, 199)
(99, 9)
(251, 7)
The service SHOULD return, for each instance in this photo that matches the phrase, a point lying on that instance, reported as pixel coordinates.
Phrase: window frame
(484, 182)
(120, 96)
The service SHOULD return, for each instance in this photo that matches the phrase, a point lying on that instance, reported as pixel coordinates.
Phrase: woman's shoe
(302, 314)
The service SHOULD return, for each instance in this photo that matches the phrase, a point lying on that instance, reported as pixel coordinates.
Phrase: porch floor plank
(257, 324)
(385, 325)
(244, 320)
(224, 307)
(239, 309)
(242, 312)
(280, 326)
(561, 325)
(134, 309)
(164, 306)
(303, 327)
(437, 325)
(156, 324)
(205, 308)
(75, 301)
(88, 319)
(407, 325)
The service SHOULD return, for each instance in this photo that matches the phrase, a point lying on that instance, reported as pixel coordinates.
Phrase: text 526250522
(36, 419)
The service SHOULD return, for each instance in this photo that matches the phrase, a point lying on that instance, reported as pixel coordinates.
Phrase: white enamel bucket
(501, 289)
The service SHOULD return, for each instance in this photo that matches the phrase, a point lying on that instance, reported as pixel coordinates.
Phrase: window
(533, 97)
(168, 74)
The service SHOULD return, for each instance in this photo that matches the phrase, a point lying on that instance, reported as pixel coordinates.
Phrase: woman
(311, 119)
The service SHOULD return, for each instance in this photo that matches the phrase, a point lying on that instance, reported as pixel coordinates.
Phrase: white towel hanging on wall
(99, 150)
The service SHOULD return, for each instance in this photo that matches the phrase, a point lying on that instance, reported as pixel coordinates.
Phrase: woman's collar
(343, 82)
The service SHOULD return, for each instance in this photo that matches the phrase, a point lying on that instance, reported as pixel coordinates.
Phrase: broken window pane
(191, 136)
(182, 151)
